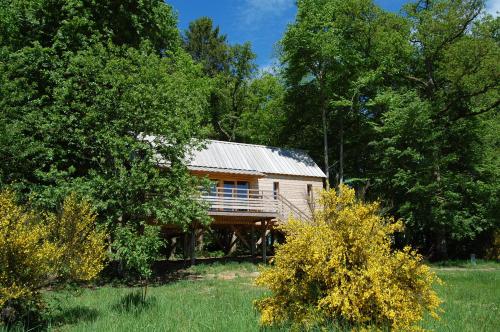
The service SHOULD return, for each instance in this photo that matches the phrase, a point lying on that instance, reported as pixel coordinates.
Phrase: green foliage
(78, 95)
(231, 68)
(137, 250)
(436, 148)
(39, 248)
(406, 106)
(336, 55)
(206, 45)
(264, 119)
(77, 24)
(231, 94)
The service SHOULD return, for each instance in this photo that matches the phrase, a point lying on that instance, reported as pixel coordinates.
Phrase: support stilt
(172, 248)
(192, 246)
(232, 244)
(264, 242)
(200, 239)
(240, 236)
(185, 253)
(252, 241)
(272, 234)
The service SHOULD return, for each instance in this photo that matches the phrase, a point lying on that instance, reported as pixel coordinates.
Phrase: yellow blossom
(341, 267)
(37, 248)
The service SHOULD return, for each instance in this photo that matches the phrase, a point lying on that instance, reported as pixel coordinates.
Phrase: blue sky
(262, 22)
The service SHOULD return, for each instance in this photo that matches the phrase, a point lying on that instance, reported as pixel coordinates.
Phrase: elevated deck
(240, 206)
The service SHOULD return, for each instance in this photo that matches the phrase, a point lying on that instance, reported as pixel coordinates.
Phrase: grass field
(219, 298)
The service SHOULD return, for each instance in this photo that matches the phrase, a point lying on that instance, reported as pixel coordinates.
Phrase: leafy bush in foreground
(341, 268)
(37, 249)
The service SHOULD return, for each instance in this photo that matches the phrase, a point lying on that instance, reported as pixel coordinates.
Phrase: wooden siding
(293, 188)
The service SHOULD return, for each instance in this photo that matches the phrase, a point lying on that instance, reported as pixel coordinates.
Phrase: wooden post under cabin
(172, 248)
(264, 242)
(271, 233)
(185, 247)
(192, 245)
(252, 241)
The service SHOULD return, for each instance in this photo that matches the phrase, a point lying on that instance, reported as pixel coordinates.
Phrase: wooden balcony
(233, 204)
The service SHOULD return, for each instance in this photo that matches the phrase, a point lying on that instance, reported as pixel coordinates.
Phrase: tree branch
(484, 110)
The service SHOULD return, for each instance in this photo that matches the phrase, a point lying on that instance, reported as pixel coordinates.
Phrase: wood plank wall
(293, 188)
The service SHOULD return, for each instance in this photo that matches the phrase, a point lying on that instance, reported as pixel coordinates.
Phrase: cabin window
(276, 189)
(213, 187)
(309, 192)
(242, 189)
(228, 188)
(235, 189)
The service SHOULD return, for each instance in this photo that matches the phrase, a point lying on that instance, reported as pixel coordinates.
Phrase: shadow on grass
(134, 302)
(74, 315)
(171, 271)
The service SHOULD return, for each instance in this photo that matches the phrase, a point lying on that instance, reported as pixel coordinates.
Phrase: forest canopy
(401, 106)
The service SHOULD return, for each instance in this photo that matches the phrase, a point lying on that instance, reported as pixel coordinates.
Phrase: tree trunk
(172, 248)
(325, 145)
(341, 152)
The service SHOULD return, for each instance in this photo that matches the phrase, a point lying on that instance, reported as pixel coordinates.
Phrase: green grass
(242, 268)
(471, 300)
(187, 305)
(467, 264)
(218, 297)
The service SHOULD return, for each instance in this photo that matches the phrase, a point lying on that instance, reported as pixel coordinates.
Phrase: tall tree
(82, 85)
(234, 90)
(433, 135)
(335, 53)
(207, 45)
(230, 66)
(264, 118)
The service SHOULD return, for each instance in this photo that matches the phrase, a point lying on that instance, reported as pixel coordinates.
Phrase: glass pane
(228, 188)
(213, 188)
(242, 189)
(276, 189)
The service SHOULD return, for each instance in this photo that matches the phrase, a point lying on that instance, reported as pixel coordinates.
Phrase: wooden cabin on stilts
(253, 189)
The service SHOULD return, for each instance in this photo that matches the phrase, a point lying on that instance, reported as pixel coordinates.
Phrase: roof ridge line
(259, 145)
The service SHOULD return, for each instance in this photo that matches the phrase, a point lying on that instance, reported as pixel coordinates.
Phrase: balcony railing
(235, 201)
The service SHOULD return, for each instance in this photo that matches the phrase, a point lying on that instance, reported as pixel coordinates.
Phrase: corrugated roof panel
(223, 170)
(255, 158)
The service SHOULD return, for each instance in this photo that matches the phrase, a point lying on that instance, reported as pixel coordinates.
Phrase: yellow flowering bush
(341, 268)
(36, 249)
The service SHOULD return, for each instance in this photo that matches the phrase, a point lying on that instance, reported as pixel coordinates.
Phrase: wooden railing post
(252, 200)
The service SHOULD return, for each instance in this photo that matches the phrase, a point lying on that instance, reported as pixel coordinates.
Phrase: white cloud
(493, 7)
(255, 11)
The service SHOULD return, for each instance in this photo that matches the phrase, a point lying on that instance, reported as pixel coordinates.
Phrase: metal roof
(220, 170)
(242, 157)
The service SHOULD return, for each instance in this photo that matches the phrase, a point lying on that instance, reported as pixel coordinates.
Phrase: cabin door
(228, 194)
(236, 193)
(242, 193)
